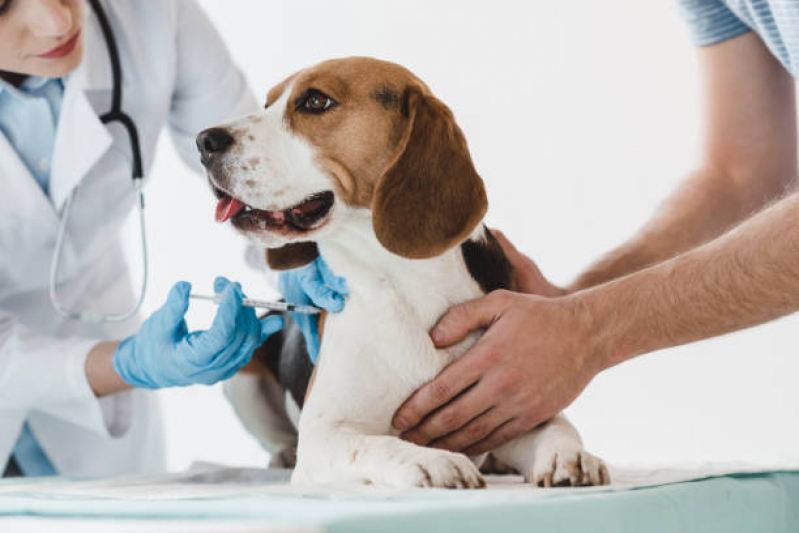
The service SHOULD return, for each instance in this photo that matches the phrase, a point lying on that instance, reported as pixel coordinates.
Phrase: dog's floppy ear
(430, 197)
(291, 255)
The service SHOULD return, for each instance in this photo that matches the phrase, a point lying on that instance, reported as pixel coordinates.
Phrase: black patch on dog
(388, 98)
(286, 356)
(487, 263)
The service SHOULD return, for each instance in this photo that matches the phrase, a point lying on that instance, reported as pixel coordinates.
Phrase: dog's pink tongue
(227, 208)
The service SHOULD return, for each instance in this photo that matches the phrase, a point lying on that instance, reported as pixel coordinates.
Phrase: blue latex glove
(164, 354)
(313, 284)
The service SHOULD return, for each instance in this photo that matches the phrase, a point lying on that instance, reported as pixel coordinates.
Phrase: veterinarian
(70, 394)
(721, 254)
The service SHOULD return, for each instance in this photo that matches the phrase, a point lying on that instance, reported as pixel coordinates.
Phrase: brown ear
(291, 255)
(430, 197)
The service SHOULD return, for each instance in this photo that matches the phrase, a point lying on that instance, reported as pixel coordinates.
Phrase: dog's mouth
(304, 216)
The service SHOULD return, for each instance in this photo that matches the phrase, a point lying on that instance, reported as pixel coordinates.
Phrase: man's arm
(747, 277)
(523, 370)
(749, 159)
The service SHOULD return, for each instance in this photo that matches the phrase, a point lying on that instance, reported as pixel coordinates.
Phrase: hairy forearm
(748, 158)
(706, 205)
(748, 276)
(100, 373)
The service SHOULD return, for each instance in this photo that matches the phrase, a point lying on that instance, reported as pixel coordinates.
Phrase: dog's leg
(259, 401)
(345, 427)
(329, 454)
(552, 455)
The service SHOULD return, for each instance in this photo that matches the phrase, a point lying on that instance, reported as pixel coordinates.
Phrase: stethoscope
(115, 114)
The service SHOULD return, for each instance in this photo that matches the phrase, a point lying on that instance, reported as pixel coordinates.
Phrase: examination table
(706, 499)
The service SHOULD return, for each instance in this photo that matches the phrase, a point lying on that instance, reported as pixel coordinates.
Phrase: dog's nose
(213, 141)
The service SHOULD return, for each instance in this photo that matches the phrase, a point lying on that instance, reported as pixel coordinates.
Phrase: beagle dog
(357, 160)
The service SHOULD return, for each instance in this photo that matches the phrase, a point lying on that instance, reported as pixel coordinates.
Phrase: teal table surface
(744, 502)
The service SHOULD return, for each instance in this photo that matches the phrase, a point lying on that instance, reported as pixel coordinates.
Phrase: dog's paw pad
(569, 469)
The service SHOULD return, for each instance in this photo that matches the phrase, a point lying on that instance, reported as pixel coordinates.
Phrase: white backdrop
(581, 117)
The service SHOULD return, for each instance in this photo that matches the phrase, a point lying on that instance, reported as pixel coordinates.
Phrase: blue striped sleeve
(710, 21)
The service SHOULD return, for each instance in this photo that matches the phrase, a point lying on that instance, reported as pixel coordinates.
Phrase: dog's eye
(316, 102)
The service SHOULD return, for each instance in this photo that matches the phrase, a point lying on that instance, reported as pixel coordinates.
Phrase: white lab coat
(178, 73)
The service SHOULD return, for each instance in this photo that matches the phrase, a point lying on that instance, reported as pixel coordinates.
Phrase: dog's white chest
(380, 342)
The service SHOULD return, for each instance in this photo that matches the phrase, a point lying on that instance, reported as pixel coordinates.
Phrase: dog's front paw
(435, 468)
(568, 469)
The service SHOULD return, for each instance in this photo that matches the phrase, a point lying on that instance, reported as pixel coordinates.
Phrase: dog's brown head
(345, 136)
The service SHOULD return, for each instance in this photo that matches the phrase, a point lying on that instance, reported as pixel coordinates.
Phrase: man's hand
(533, 361)
(674, 282)
(526, 275)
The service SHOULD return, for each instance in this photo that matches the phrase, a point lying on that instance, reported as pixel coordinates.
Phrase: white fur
(377, 351)
(276, 169)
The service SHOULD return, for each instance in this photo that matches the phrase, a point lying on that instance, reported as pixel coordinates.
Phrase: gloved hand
(313, 284)
(164, 354)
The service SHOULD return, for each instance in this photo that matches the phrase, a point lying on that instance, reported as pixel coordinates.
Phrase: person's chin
(72, 61)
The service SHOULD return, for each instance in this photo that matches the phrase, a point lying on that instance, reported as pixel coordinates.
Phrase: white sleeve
(209, 87)
(47, 374)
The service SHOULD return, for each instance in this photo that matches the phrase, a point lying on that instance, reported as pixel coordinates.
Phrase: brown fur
(392, 147)
(431, 197)
(292, 255)
(356, 141)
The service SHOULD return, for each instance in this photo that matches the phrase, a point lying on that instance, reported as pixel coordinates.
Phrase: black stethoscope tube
(114, 115)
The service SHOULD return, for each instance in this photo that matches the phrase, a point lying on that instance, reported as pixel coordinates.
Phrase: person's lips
(62, 50)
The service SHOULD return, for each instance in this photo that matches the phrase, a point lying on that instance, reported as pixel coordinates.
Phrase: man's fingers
(518, 260)
(527, 275)
(451, 417)
(473, 432)
(452, 381)
(502, 434)
(470, 316)
(506, 245)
